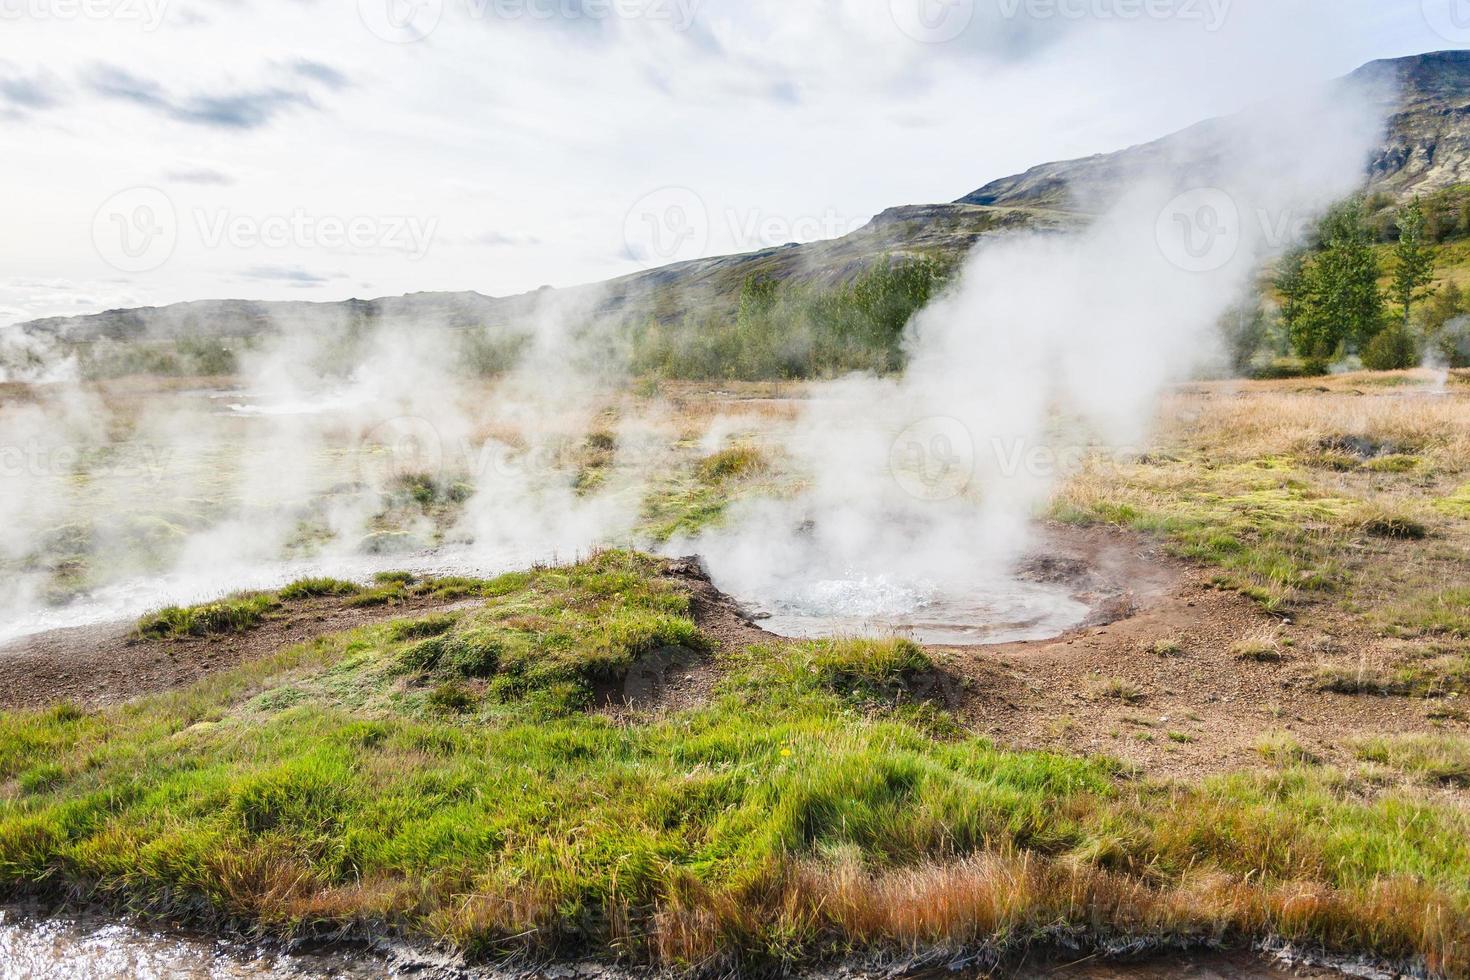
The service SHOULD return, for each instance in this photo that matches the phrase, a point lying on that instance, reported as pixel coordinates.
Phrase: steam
(1047, 347)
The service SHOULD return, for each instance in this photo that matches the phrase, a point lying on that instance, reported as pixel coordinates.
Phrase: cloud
(317, 71)
(204, 176)
(290, 275)
(23, 93)
(235, 110)
(496, 239)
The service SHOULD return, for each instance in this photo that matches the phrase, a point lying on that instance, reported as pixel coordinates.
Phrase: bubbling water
(998, 610)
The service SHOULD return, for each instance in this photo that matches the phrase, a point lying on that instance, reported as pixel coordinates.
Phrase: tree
(1344, 307)
(1415, 268)
(1292, 282)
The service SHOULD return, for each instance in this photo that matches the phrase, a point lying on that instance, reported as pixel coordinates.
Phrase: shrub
(731, 463)
(1391, 350)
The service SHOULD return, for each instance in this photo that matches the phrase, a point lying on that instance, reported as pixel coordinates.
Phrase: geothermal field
(1072, 579)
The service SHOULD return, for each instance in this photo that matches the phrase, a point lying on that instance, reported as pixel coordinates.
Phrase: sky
(156, 151)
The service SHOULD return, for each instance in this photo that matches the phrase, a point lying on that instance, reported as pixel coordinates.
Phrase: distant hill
(1425, 147)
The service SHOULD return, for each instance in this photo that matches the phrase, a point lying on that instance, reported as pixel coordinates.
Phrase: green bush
(1392, 350)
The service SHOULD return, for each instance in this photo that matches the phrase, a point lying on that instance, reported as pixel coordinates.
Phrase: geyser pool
(994, 610)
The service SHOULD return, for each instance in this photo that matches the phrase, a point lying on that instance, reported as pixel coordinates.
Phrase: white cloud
(545, 129)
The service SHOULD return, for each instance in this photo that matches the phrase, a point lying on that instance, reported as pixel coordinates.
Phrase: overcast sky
(164, 150)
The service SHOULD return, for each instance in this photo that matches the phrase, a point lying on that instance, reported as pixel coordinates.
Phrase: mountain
(1425, 147)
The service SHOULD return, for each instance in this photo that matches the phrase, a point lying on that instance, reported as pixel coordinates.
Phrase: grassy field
(451, 777)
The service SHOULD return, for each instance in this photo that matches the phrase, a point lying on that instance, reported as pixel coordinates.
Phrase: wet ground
(88, 948)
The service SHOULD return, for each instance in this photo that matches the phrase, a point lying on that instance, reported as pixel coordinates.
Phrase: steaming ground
(137, 525)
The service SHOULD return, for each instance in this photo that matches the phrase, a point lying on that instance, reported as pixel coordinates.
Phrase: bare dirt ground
(1191, 707)
(109, 663)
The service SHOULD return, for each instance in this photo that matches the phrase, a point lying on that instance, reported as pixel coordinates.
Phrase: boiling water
(1004, 610)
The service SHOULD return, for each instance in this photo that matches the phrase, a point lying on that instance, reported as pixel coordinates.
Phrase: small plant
(1167, 649)
(452, 697)
(1283, 749)
(732, 463)
(395, 578)
(1117, 689)
(1262, 648)
(1182, 738)
(316, 588)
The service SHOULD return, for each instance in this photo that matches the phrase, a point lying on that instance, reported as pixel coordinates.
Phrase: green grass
(737, 461)
(446, 777)
(316, 588)
(1267, 532)
(1440, 612)
(686, 503)
(231, 615)
(1436, 758)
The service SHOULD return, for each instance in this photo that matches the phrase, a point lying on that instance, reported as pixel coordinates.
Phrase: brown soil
(1107, 690)
(110, 663)
(676, 680)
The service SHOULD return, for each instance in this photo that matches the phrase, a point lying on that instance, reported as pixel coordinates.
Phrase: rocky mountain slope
(1425, 147)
